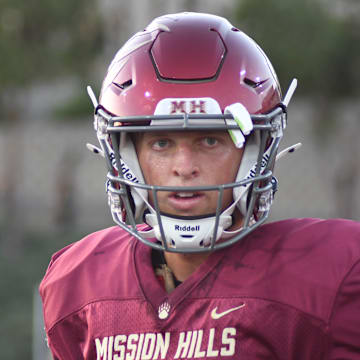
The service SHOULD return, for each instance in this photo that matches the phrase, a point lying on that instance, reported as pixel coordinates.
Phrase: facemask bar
(116, 211)
(117, 124)
(162, 231)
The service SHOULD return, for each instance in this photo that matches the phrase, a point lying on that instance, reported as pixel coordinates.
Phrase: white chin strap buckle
(188, 234)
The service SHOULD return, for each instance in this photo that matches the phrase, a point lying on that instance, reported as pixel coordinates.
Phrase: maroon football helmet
(187, 72)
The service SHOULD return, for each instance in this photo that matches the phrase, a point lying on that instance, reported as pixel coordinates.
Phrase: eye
(160, 144)
(210, 141)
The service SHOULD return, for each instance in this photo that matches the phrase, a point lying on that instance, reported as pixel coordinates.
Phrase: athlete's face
(188, 159)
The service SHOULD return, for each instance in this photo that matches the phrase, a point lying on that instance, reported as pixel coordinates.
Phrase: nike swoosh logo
(215, 315)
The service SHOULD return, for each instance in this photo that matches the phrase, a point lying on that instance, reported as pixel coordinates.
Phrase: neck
(183, 265)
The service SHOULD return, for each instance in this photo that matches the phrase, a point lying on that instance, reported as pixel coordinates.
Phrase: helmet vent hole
(235, 29)
(250, 82)
(254, 84)
(124, 85)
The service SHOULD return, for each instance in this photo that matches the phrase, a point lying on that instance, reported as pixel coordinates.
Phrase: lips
(185, 201)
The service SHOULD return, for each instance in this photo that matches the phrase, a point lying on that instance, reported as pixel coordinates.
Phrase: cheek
(226, 172)
(228, 198)
(225, 168)
(154, 172)
(153, 169)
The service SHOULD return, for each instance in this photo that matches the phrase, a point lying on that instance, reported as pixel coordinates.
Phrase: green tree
(305, 40)
(40, 41)
(45, 39)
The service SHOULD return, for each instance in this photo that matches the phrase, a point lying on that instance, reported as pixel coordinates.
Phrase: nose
(185, 163)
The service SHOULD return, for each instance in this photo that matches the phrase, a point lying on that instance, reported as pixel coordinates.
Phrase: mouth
(182, 195)
(185, 201)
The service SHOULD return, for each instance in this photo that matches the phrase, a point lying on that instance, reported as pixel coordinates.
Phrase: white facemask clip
(242, 119)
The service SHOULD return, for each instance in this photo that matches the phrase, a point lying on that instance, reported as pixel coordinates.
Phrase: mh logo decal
(203, 105)
(190, 107)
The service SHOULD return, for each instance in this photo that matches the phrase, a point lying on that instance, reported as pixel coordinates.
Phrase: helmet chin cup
(188, 233)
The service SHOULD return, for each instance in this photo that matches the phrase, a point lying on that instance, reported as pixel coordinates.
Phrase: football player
(189, 121)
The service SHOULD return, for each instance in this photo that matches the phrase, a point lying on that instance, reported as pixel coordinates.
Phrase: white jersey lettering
(152, 346)
(210, 349)
(228, 340)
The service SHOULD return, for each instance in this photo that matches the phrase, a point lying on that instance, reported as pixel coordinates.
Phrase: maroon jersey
(290, 290)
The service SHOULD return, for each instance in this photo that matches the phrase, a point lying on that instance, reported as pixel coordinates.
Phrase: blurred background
(52, 188)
